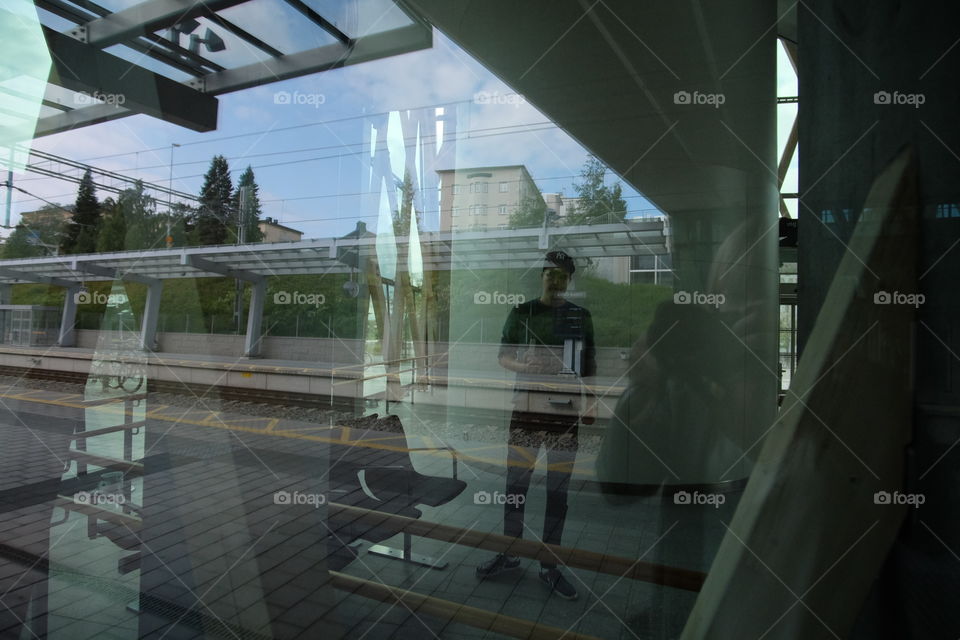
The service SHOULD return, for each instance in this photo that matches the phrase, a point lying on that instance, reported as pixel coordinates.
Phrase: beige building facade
(483, 198)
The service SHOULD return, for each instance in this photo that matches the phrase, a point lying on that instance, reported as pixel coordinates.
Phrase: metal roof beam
(95, 71)
(195, 261)
(332, 56)
(145, 18)
(320, 21)
(13, 274)
(112, 273)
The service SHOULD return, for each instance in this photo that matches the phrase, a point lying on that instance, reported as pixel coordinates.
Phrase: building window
(479, 187)
(455, 212)
(457, 189)
(502, 210)
(478, 210)
(504, 187)
(502, 227)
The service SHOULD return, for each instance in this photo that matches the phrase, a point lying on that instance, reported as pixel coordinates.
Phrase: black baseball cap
(561, 260)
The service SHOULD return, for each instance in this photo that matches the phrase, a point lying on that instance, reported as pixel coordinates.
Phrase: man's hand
(542, 361)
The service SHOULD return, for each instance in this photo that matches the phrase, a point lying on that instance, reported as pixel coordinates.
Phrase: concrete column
(151, 312)
(69, 319)
(258, 293)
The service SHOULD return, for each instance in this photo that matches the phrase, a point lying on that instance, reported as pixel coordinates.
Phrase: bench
(383, 478)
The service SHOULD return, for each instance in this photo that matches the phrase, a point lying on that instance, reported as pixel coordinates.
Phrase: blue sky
(308, 156)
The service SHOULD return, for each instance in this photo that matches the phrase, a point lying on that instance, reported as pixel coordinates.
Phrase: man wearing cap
(548, 343)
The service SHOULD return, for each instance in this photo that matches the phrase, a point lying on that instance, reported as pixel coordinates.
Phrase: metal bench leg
(407, 555)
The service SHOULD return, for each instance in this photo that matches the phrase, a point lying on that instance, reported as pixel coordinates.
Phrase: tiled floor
(221, 558)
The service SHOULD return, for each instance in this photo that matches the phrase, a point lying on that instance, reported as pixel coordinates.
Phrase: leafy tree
(39, 233)
(253, 211)
(599, 203)
(131, 222)
(531, 213)
(216, 204)
(21, 244)
(81, 232)
(113, 228)
(177, 217)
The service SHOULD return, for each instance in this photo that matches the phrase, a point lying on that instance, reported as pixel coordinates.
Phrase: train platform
(443, 387)
(204, 479)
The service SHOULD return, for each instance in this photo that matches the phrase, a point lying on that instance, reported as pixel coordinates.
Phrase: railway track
(281, 398)
(261, 396)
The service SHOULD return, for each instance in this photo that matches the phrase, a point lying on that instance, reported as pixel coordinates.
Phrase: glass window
(261, 370)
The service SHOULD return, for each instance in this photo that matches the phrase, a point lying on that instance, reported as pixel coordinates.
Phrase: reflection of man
(548, 342)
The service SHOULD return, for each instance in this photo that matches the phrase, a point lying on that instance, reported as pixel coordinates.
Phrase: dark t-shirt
(535, 325)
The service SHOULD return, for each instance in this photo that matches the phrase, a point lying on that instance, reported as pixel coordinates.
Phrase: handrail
(577, 558)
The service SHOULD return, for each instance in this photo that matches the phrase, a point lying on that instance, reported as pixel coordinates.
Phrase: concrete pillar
(258, 293)
(68, 321)
(151, 312)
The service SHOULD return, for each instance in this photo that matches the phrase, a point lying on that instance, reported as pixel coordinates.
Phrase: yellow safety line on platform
(344, 437)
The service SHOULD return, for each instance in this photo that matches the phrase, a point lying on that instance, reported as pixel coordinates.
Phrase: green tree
(177, 217)
(21, 244)
(216, 204)
(531, 213)
(599, 203)
(131, 222)
(113, 228)
(252, 210)
(39, 233)
(81, 232)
